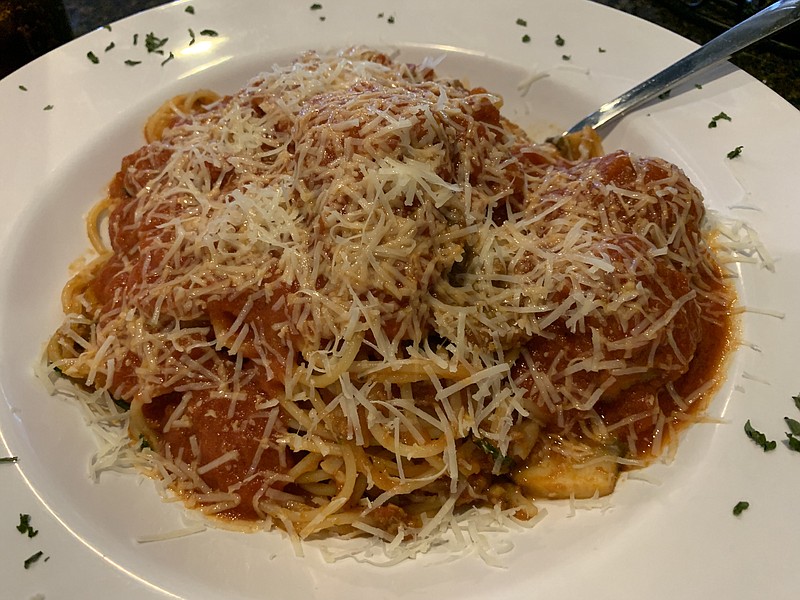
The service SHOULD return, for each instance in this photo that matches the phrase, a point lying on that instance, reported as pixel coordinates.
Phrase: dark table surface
(777, 65)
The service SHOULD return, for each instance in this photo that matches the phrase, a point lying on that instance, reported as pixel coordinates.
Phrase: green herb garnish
(209, 33)
(316, 6)
(740, 507)
(526, 38)
(793, 435)
(9, 459)
(664, 95)
(189, 9)
(24, 526)
(720, 117)
(794, 426)
(792, 442)
(192, 36)
(759, 438)
(32, 559)
(560, 41)
(133, 63)
(110, 46)
(522, 22)
(601, 50)
(735, 152)
(566, 57)
(390, 20)
(169, 58)
(107, 27)
(493, 451)
(153, 43)
(49, 107)
(23, 88)
(92, 57)
(135, 38)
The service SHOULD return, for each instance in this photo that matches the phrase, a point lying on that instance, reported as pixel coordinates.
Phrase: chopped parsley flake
(493, 451)
(759, 438)
(169, 58)
(32, 559)
(107, 27)
(793, 435)
(390, 20)
(560, 41)
(735, 152)
(566, 57)
(601, 50)
(526, 38)
(135, 38)
(189, 9)
(92, 57)
(740, 507)
(48, 107)
(110, 46)
(209, 33)
(23, 88)
(191, 35)
(794, 426)
(522, 22)
(9, 459)
(664, 95)
(316, 6)
(24, 526)
(720, 117)
(132, 63)
(153, 43)
(698, 86)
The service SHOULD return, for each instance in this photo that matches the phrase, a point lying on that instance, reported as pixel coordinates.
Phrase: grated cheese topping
(352, 298)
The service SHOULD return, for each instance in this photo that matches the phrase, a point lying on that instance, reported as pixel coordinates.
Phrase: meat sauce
(715, 341)
(343, 288)
(212, 424)
(700, 333)
(211, 427)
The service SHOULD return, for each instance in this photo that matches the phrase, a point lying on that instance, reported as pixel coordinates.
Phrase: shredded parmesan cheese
(353, 299)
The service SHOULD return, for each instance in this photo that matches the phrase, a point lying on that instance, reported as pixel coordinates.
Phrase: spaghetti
(352, 298)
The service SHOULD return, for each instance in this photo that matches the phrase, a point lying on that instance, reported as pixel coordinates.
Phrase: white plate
(671, 537)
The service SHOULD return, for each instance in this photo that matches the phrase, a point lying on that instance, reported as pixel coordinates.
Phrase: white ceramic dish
(672, 536)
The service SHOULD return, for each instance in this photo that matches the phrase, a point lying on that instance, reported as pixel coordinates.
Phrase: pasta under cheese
(353, 298)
